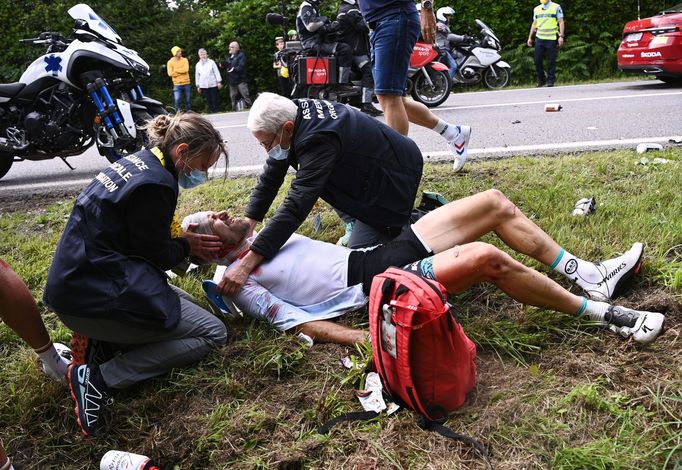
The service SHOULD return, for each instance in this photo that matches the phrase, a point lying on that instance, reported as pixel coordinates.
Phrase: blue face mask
(194, 179)
(277, 152)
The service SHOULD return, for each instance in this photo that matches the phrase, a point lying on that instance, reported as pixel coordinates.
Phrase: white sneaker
(642, 326)
(615, 272)
(459, 147)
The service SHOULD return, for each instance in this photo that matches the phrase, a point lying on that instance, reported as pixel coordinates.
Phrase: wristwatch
(427, 5)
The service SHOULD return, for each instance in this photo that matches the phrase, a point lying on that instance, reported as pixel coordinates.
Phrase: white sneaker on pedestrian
(459, 147)
(615, 272)
(642, 326)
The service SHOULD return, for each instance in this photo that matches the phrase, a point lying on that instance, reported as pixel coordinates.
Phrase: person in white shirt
(208, 80)
(309, 282)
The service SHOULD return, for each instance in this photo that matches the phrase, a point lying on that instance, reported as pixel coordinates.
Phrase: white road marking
(585, 144)
(559, 100)
(255, 169)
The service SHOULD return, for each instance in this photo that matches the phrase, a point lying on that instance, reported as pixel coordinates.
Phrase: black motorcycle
(315, 75)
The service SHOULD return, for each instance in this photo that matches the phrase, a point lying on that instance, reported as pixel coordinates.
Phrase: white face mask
(277, 152)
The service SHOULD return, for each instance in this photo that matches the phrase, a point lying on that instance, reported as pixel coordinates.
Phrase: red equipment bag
(317, 70)
(421, 353)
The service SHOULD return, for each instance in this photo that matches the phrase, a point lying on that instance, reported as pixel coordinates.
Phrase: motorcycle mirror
(80, 24)
(275, 19)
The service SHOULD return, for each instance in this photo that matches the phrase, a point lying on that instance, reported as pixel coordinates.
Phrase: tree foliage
(152, 27)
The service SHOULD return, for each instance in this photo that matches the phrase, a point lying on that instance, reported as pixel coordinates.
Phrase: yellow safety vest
(546, 22)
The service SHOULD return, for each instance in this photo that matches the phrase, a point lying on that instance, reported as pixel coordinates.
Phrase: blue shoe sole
(215, 299)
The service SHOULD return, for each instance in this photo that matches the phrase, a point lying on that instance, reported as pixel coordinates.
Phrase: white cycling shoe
(642, 326)
(615, 272)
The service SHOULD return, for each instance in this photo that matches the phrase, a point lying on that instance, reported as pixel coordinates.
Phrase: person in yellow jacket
(548, 30)
(178, 71)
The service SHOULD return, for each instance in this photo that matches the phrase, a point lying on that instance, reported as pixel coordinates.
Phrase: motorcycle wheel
(495, 82)
(435, 95)
(6, 161)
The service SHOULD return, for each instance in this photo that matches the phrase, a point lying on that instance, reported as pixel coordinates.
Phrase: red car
(653, 46)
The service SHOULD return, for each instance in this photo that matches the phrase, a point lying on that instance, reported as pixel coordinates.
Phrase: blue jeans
(452, 64)
(178, 92)
(392, 39)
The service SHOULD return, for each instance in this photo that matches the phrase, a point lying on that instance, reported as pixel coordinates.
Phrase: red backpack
(425, 360)
(420, 351)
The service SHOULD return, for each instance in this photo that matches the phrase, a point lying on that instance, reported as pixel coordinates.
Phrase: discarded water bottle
(120, 460)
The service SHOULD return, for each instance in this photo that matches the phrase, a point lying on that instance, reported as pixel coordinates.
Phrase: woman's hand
(205, 247)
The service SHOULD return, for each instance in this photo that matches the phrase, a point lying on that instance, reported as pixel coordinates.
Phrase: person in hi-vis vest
(548, 31)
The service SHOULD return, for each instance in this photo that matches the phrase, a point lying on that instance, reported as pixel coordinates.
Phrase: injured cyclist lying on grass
(308, 283)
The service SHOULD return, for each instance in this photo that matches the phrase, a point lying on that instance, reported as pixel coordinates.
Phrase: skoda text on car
(653, 46)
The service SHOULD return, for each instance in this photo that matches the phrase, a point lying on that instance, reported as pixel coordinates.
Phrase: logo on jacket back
(320, 107)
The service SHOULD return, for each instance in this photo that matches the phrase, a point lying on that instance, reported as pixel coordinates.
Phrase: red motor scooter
(428, 80)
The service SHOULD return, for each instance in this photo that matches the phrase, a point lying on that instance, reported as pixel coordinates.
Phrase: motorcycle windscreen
(95, 22)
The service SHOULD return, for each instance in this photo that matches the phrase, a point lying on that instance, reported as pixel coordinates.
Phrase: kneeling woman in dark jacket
(107, 279)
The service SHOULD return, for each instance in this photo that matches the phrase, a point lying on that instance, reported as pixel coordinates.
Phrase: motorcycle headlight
(140, 67)
(491, 43)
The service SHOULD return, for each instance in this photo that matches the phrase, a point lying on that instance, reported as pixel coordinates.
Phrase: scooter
(428, 80)
(85, 90)
(479, 60)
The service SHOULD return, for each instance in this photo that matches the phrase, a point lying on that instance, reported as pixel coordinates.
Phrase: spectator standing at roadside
(548, 30)
(208, 80)
(280, 65)
(394, 28)
(235, 64)
(178, 71)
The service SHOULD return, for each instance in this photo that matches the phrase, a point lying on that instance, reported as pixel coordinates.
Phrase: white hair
(269, 112)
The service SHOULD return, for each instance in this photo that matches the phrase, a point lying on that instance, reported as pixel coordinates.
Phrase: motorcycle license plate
(633, 37)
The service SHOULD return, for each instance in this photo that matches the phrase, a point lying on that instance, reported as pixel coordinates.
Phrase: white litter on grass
(305, 339)
(648, 146)
(655, 161)
(349, 363)
(371, 397)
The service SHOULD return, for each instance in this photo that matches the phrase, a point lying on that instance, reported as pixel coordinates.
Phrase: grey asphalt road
(504, 122)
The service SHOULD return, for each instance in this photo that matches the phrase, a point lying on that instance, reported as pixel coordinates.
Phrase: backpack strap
(449, 433)
(386, 291)
(352, 416)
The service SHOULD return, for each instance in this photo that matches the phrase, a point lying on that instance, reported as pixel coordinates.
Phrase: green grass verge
(551, 393)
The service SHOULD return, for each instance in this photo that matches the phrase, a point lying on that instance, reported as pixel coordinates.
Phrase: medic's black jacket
(100, 269)
(356, 163)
